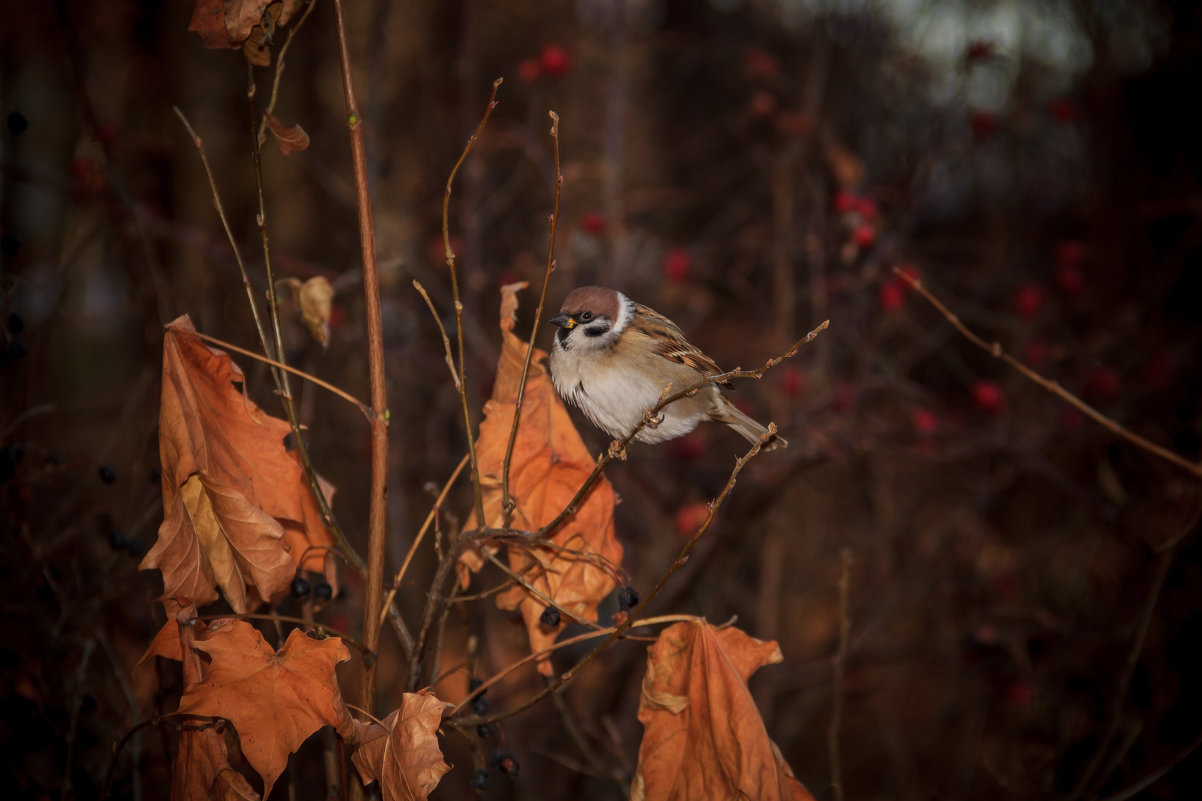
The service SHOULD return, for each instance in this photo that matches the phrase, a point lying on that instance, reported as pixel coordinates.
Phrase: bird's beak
(563, 320)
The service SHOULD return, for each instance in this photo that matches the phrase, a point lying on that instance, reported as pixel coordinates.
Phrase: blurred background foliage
(1025, 585)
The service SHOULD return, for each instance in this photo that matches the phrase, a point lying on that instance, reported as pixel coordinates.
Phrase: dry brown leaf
(316, 300)
(274, 700)
(403, 754)
(226, 23)
(293, 139)
(704, 737)
(550, 462)
(209, 429)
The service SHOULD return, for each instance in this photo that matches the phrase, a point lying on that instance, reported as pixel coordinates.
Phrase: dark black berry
(107, 474)
(480, 705)
(322, 591)
(480, 780)
(117, 539)
(506, 761)
(16, 349)
(300, 587)
(15, 324)
(135, 546)
(474, 684)
(17, 124)
(155, 475)
(627, 597)
(484, 731)
(549, 618)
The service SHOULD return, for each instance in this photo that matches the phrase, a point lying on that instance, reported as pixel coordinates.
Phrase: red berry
(978, 49)
(763, 104)
(892, 296)
(988, 396)
(794, 382)
(924, 421)
(984, 123)
(690, 517)
(678, 264)
(529, 70)
(866, 208)
(690, 447)
(1028, 300)
(845, 201)
(1070, 280)
(593, 223)
(864, 235)
(1064, 111)
(1069, 253)
(555, 61)
(1036, 353)
(762, 64)
(1020, 694)
(1101, 383)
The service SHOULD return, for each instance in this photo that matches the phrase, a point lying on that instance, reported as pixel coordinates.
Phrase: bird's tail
(727, 412)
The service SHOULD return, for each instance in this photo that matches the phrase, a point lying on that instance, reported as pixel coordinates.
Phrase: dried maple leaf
(274, 700)
(704, 737)
(226, 23)
(209, 429)
(403, 754)
(550, 463)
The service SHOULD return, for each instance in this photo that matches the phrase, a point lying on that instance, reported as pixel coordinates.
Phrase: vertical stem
(375, 359)
(838, 665)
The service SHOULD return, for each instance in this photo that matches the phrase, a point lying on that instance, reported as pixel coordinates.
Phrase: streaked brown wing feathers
(671, 344)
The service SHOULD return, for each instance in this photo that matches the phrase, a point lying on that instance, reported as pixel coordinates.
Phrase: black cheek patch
(562, 335)
(597, 330)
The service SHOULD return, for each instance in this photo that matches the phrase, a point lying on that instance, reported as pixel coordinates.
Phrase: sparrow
(612, 358)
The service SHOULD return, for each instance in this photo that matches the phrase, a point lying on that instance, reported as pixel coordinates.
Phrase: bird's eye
(585, 316)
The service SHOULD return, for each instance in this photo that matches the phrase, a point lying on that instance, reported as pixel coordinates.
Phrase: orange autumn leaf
(550, 462)
(704, 737)
(403, 754)
(226, 23)
(274, 700)
(202, 767)
(224, 459)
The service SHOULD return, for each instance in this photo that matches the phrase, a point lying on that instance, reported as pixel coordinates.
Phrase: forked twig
(995, 349)
(507, 504)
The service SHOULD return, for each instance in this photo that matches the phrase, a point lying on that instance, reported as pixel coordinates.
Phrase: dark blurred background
(1025, 584)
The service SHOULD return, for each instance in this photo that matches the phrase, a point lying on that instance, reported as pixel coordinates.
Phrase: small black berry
(135, 546)
(480, 705)
(506, 761)
(322, 591)
(16, 349)
(480, 780)
(627, 597)
(8, 464)
(549, 618)
(474, 684)
(155, 475)
(117, 539)
(300, 587)
(17, 124)
(15, 324)
(9, 244)
(484, 731)
(107, 474)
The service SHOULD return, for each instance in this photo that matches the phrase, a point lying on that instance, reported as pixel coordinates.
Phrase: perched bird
(613, 358)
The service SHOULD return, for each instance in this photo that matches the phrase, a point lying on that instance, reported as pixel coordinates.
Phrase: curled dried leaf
(291, 139)
(403, 754)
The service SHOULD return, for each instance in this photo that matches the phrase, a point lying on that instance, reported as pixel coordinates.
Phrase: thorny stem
(619, 446)
(507, 504)
(377, 511)
(461, 384)
(838, 667)
(564, 678)
(995, 349)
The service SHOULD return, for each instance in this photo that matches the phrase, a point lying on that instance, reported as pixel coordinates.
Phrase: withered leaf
(316, 300)
(704, 737)
(550, 462)
(212, 438)
(226, 23)
(403, 754)
(274, 700)
(292, 139)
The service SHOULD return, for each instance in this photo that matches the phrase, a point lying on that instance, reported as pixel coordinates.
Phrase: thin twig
(250, 354)
(838, 669)
(417, 541)
(618, 447)
(530, 588)
(279, 67)
(377, 511)
(442, 330)
(507, 504)
(995, 349)
(567, 676)
(461, 384)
